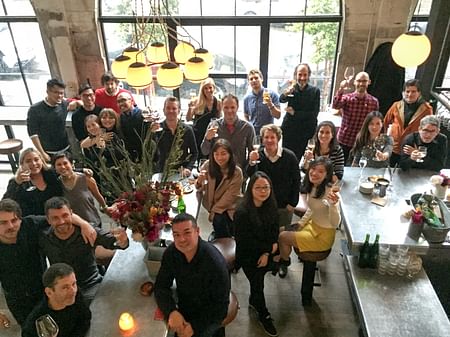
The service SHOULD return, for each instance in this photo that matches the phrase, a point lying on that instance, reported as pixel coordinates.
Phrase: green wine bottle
(373, 253)
(364, 253)
(181, 206)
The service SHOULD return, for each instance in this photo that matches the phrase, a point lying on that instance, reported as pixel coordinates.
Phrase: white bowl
(366, 187)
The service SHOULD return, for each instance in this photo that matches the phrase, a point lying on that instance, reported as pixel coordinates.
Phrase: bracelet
(266, 254)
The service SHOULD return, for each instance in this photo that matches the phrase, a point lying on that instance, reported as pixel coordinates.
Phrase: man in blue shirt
(259, 110)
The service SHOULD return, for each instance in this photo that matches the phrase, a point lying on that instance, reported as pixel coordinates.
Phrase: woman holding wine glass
(372, 143)
(202, 109)
(34, 170)
(324, 143)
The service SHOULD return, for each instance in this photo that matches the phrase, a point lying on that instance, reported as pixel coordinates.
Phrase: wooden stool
(233, 308)
(309, 270)
(227, 247)
(11, 148)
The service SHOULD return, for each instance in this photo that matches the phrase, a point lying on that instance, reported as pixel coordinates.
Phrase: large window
(23, 62)
(270, 35)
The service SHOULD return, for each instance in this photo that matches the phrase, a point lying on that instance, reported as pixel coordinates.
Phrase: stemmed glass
(349, 73)
(193, 95)
(46, 326)
(422, 153)
(290, 89)
(28, 185)
(335, 188)
(362, 164)
(202, 170)
(311, 144)
(214, 124)
(378, 145)
(256, 146)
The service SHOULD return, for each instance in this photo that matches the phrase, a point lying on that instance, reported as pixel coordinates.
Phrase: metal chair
(12, 147)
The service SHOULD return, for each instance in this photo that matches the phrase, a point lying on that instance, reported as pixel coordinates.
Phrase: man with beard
(355, 107)
(63, 303)
(106, 97)
(403, 117)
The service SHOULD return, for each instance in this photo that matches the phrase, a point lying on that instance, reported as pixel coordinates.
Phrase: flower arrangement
(146, 209)
(440, 179)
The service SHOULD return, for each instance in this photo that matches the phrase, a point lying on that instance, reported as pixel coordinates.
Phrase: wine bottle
(373, 253)
(364, 253)
(181, 206)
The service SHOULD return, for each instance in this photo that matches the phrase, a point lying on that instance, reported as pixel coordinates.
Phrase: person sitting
(325, 144)
(238, 132)
(372, 143)
(317, 228)
(203, 109)
(403, 117)
(203, 282)
(256, 237)
(21, 264)
(281, 165)
(63, 303)
(33, 184)
(434, 143)
(220, 179)
(165, 139)
(62, 243)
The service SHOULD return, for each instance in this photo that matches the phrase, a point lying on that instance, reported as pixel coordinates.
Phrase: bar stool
(233, 308)
(227, 247)
(11, 148)
(310, 267)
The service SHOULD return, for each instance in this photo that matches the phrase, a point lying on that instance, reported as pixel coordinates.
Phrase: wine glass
(422, 153)
(378, 145)
(256, 145)
(46, 326)
(27, 185)
(414, 266)
(203, 170)
(214, 124)
(362, 164)
(335, 188)
(311, 144)
(290, 90)
(349, 73)
(193, 95)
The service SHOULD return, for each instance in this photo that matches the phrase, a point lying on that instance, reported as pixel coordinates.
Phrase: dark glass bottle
(364, 253)
(373, 254)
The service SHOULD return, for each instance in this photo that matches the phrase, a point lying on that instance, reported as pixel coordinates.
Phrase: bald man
(355, 107)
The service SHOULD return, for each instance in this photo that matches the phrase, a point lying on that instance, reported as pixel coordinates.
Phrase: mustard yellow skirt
(313, 238)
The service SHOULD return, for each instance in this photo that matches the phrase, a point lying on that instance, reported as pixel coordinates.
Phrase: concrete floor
(331, 315)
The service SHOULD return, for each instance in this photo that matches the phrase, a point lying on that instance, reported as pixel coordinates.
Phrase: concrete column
(72, 41)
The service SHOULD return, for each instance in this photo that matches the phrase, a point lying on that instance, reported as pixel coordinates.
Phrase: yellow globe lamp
(169, 76)
(134, 54)
(157, 53)
(183, 52)
(196, 70)
(205, 55)
(139, 75)
(411, 49)
(119, 66)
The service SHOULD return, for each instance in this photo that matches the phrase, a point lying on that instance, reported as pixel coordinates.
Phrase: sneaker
(284, 264)
(269, 328)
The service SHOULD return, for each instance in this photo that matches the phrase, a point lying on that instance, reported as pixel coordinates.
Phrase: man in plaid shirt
(355, 107)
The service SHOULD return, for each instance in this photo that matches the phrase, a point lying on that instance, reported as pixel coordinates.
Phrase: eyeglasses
(428, 130)
(262, 188)
(122, 100)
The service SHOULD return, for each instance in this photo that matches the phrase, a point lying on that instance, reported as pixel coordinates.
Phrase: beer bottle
(373, 254)
(181, 206)
(364, 253)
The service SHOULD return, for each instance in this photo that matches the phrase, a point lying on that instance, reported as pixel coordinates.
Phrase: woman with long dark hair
(256, 226)
(372, 143)
(326, 145)
(220, 179)
(317, 228)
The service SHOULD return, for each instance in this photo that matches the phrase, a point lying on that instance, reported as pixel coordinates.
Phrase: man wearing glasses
(435, 154)
(46, 121)
(88, 107)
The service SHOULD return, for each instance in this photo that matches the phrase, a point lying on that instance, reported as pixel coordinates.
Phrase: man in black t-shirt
(89, 107)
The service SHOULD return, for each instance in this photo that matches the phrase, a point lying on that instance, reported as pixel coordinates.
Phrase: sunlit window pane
(18, 8)
(218, 8)
(423, 7)
(322, 7)
(253, 7)
(285, 8)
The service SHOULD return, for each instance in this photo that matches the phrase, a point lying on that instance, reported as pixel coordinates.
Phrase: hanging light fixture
(134, 65)
(169, 76)
(196, 70)
(411, 49)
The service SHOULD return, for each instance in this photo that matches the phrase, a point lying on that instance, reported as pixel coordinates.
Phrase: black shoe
(306, 301)
(268, 326)
(212, 236)
(252, 307)
(284, 264)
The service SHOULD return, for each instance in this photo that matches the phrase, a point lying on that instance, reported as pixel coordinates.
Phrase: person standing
(261, 105)
(87, 108)
(281, 165)
(300, 121)
(238, 132)
(403, 117)
(46, 121)
(355, 107)
(203, 282)
(107, 97)
(62, 302)
(257, 241)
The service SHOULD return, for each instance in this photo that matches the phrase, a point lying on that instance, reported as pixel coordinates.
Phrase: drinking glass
(201, 170)
(289, 90)
(116, 230)
(256, 145)
(193, 95)
(349, 73)
(422, 152)
(214, 124)
(362, 164)
(46, 326)
(266, 96)
(27, 185)
(156, 117)
(335, 188)
(414, 266)
(311, 144)
(378, 145)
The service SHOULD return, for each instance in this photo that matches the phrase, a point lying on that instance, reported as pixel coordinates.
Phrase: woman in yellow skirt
(317, 228)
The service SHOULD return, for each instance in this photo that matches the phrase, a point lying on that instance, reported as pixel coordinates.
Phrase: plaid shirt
(355, 111)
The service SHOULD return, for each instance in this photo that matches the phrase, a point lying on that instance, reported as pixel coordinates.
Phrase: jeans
(222, 224)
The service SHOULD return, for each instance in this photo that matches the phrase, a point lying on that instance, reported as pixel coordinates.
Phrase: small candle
(126, 321)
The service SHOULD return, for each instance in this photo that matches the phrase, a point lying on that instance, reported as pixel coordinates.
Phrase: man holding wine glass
(62, 313)
(425, 149)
